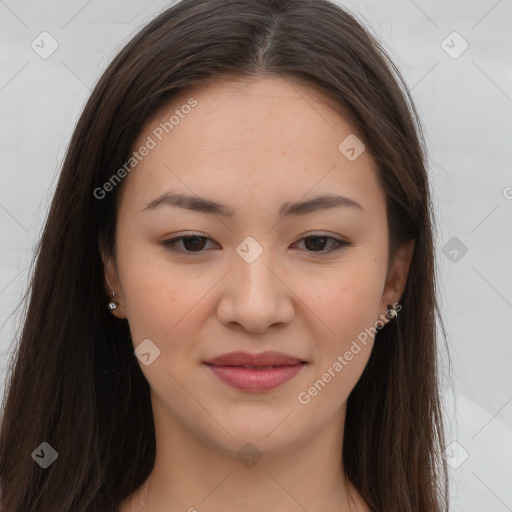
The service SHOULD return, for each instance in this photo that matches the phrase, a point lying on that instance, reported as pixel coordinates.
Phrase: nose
(255, 295)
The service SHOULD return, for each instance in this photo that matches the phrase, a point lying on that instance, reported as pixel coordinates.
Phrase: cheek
(349, 310)
(158, 306)
(157, 295)
(349, 298)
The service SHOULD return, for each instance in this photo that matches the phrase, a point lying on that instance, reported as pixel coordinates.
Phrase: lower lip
(248, 379)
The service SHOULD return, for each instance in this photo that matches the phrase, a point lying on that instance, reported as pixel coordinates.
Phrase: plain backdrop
(455, 57)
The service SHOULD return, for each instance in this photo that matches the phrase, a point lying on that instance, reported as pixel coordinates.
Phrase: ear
(397, 277)
(111, 282)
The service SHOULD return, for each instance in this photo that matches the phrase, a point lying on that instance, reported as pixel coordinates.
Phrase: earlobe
(114, 305)
(391, 312)
(397, 278)
(113, 302)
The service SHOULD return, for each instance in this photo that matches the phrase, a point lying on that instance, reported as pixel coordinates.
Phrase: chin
(268, 432)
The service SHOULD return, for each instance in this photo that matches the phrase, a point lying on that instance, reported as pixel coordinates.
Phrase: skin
(251, 145)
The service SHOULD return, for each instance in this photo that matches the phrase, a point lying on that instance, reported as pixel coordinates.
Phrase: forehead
(249, 138)
(280, 105)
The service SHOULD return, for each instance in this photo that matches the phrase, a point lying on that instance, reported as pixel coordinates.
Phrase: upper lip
(268, 358)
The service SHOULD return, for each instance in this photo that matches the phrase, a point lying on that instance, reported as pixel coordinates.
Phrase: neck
(190, 475)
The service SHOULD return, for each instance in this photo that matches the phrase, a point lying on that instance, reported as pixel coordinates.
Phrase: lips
(262, 360)
(255, 372)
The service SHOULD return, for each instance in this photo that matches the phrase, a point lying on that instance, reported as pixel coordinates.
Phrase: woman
(233, 306)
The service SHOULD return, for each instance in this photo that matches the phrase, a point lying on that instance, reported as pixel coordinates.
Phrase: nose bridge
(253, 277)
(255, 296)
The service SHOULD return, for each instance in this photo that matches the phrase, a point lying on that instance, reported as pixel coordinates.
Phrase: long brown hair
(75, 382)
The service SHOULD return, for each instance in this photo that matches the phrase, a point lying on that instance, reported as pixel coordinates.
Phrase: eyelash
(171, 243)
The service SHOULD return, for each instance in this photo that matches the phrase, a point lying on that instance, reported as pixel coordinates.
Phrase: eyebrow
(204, 205)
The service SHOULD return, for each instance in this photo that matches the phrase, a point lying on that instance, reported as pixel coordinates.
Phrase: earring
(113, 303)
(391, 312)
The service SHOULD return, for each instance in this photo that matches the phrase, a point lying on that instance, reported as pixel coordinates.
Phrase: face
(257, 272)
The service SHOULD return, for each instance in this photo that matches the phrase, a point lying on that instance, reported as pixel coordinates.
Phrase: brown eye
(317, 243)
(189, 243)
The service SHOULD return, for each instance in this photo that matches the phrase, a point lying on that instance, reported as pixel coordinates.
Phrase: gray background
(465, 104)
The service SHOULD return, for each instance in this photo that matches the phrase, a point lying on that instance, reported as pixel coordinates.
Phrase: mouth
(255, 372)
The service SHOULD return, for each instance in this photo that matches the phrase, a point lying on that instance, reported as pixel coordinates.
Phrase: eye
(192, 243)
(196, 243)
(320, 241)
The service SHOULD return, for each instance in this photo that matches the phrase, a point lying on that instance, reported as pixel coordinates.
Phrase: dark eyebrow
(201, 204)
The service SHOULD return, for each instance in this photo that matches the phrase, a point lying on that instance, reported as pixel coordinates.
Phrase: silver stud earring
(391, 312)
